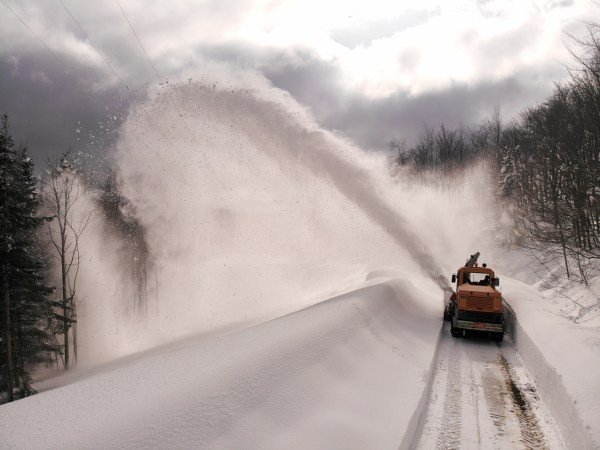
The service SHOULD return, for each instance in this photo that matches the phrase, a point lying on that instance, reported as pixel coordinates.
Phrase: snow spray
(249, 211)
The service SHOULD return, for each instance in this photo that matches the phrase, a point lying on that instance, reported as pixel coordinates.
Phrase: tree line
(41, 226)
(27, 302)
(39, 233)
(547, 162)
(38, 325)
(445, 149)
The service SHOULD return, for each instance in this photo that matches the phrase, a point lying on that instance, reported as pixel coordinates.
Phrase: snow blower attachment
(476, 304)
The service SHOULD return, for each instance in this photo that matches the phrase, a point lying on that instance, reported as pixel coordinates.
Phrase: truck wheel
(449, 312)
(456, 332)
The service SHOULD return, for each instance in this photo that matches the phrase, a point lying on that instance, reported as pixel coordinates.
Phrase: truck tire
(449, 312)
(497, 337)
(456, 332)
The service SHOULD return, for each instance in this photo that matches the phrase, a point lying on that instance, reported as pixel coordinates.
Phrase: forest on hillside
(546, 163)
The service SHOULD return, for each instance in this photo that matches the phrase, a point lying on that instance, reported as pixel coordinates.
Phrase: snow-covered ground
(564, 357)
(349, 372)
(261, 222)
(556, 329)
(365, 369)
(484, 397)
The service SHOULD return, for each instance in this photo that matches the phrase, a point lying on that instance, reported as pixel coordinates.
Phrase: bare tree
(586, 53)
(63, 191)
(556, 171)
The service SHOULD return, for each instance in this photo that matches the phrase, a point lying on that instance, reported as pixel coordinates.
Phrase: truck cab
(476, 304)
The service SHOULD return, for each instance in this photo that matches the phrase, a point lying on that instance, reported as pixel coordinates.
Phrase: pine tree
(26, 305)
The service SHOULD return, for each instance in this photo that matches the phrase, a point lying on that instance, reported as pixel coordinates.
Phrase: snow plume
(126, 228)
(247, 210)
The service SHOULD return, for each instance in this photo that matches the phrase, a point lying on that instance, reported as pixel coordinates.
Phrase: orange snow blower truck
(476, 304)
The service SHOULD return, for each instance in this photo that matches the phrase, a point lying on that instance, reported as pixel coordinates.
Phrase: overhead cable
(33, 33)
(138, 39)
(85, 35)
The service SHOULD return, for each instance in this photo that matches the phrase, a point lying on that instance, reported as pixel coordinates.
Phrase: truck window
(481, 279)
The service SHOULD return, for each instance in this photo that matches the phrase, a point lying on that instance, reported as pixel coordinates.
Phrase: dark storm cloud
(68, 98)
(48, 102)
(374, 122)
(54, 107)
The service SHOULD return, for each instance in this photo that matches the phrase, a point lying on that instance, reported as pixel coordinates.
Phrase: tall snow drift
(345, 373)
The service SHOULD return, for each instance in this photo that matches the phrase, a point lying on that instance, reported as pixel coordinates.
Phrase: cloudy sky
(375, 70)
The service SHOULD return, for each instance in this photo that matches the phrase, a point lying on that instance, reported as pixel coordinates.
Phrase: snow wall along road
(250, 211)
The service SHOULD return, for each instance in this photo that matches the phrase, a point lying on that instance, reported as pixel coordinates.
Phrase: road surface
(483, 397)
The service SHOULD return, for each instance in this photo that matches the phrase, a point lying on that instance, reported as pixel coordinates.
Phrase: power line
(138, 39)
(33, 33)
(92, 44)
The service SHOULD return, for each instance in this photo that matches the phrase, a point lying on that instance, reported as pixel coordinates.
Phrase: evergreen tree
(26, 305)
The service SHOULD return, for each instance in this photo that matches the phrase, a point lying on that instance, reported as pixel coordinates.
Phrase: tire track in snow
(449, 436)
(495, 397)
(531, 432)
(482, 396)
(475, 401)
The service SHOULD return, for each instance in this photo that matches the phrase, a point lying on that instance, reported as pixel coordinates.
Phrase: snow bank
(564, 358)
(345, 373)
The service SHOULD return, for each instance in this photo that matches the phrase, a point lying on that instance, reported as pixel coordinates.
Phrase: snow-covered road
(483, 397)
(365, 369)
(346, 373)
